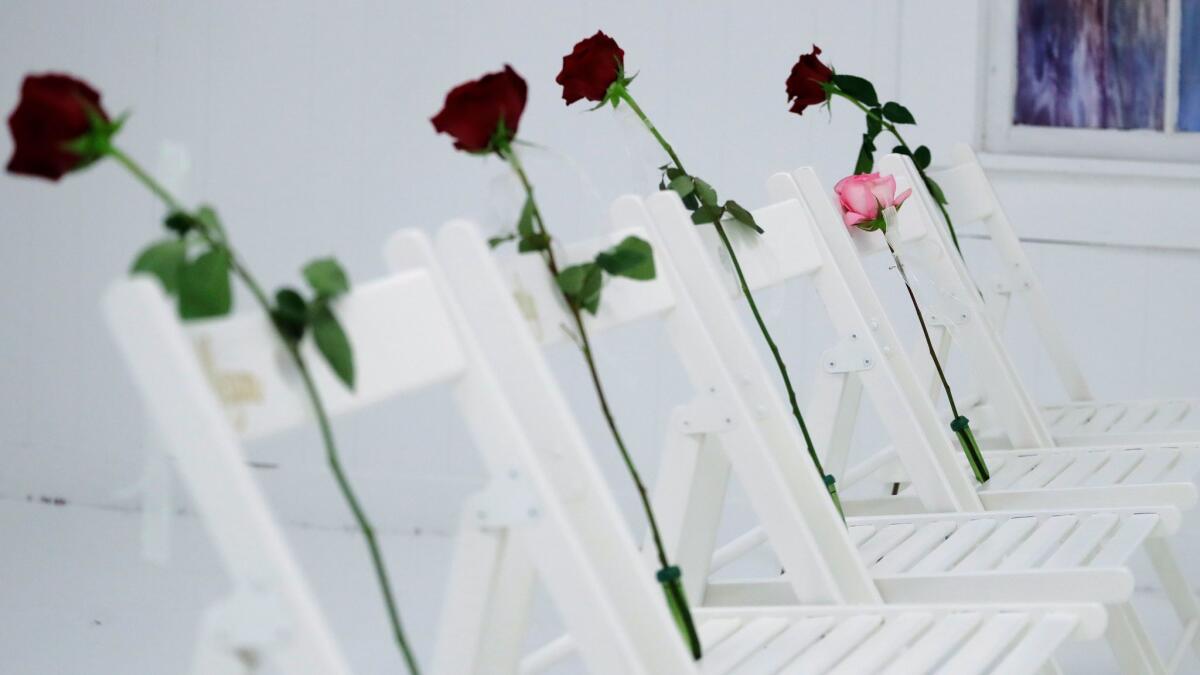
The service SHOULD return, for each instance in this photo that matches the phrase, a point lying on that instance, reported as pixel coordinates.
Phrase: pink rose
(864, 196)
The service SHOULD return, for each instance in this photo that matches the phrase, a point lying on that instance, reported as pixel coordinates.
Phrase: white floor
(76, 598)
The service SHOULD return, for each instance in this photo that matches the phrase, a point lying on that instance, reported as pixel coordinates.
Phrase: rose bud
(474, 110)
(804, 84)
(591, 68)
(863, 196)
(54, 111)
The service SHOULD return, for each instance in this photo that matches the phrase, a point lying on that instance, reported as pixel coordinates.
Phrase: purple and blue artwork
(1189, 66)
(1094, 63)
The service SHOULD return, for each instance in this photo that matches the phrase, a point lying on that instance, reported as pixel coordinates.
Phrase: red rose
(804, 84)
(474, 110)
(591, 68)
(52, 112)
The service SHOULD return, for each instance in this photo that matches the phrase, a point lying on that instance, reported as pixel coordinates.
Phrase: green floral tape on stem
(831, 485)
(672, 582)
(962, 428)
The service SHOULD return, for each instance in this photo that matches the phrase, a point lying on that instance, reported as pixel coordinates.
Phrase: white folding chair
(1034, 477)
(209, 385)
(962, 322)
(896, 548)
(1083, 420)
(1052, 478)
(737, 424)
(548, 509)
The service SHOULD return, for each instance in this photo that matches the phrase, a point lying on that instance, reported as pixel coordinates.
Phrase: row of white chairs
(944, 576)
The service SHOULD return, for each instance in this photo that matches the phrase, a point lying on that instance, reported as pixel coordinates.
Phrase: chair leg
(487, 604)
(251, 630)
(1175, 586)
(214, 656)
(1131, 645)
(689, 498)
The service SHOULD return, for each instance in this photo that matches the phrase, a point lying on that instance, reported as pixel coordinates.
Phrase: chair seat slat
(958, 545)
(1115, 469)
(836, 644)
(785, 647)
(885, 540)
(982, 649)
(1050, 466)
(1083, 541)
(1085, 465)
(1076, 419)
(1038, 644)
(936, 644)
(1049, 534)
(1013, 470)
(1156, 462)
(1138, 415)
(1001, 542)
(914, 548)
(713, 631)
(739, 646)
(860, 533)
(1128, 537)
(871, 656)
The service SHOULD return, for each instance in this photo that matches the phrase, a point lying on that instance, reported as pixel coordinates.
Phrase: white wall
(307, 123)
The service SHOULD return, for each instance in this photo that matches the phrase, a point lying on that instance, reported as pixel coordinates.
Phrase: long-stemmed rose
(59, 126)
(595, 70)
(482, 116)
(869, 202)
(811, 82)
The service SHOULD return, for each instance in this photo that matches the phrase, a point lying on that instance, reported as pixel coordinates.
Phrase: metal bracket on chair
(1015, 281)
(707, 413)
(505, 501)
(949, 311)
(850, 355)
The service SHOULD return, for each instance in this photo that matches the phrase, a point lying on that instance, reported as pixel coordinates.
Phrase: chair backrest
(868, 350)
(971, 198)
(518, 305)
(963, 314)
(578, 542)
(407, 334)
(209, 384)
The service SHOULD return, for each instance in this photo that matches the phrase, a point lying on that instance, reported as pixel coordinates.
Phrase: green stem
(585, 346)
(676, 600)
(364, 525)
(960, 425)
(144, 178)
(331, 452)
(628, 98)
(762, 327)
(749, 296)
(900, 139)
(924, 329)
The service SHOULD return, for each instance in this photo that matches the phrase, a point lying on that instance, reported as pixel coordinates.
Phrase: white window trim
(1000, 135)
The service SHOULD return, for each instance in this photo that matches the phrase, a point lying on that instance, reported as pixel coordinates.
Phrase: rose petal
(884, 189)
(857, 197)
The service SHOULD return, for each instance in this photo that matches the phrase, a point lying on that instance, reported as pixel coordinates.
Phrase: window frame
(1001, 135)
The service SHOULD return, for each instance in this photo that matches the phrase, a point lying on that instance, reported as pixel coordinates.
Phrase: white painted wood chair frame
(1027, 478)
(1062, 477)
(929, 251)
(737, 640)
(725, 433)
(1083, 420)
(207, 386)
(545, 510)
(861, 347)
